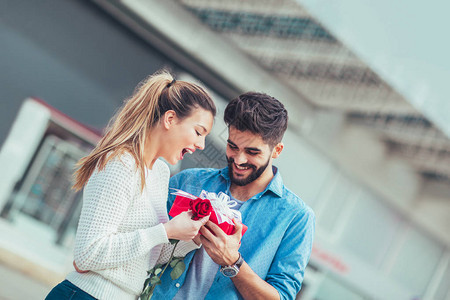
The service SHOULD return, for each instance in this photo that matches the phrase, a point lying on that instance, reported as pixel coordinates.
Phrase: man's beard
(251, 177)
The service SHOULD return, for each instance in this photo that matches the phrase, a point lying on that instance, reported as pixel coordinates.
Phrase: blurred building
(375, 170)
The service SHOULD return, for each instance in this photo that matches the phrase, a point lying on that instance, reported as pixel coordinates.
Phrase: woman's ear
(169, 119)
(277, 150)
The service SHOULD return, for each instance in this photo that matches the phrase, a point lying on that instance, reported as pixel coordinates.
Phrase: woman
(124, 227)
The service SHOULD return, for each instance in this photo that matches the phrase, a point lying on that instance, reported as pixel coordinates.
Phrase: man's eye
(252, 153)
(232, 147)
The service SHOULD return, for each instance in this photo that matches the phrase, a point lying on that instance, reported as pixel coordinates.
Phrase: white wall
(359, 225)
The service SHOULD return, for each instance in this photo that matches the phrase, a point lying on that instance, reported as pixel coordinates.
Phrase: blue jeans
(67, 290)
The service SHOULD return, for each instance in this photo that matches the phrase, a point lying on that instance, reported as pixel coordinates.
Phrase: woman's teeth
(184, 151)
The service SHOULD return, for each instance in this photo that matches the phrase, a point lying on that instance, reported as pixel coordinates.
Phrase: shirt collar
(275, 185)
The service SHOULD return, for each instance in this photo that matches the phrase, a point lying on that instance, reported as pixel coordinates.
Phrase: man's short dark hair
(258, 113)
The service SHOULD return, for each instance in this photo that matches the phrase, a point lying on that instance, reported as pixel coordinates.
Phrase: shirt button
(177, 285)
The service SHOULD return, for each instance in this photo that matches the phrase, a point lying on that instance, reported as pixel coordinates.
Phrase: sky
(406, 42)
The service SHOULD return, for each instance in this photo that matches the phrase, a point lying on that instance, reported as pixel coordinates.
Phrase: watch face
(229, 271)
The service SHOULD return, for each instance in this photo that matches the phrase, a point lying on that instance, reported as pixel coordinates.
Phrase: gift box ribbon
(221, 203)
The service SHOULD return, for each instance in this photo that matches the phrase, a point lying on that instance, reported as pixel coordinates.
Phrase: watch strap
(238, 263)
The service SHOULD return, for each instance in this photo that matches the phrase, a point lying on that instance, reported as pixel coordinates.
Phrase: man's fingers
(205, 242)
(215, 229)
(238, 228)
(207, 233)
(197, 240)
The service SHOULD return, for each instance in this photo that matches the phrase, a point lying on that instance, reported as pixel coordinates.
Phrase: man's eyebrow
(246, 148)
(253, 149)
(230, 142)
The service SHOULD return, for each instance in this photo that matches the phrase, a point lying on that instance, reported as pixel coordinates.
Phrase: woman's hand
(76, 268)
(182, 227)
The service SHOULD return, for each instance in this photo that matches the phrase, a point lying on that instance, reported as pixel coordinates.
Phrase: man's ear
(169, 119)
(277, 150)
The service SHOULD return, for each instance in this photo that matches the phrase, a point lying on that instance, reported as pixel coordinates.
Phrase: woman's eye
(198, 133)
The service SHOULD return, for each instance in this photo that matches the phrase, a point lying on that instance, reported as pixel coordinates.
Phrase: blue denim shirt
(277, 244)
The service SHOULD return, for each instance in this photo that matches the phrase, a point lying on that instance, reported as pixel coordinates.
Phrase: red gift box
(182, 203)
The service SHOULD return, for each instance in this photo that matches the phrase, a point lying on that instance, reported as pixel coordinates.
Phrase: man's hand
(222, 248)
(197, 240)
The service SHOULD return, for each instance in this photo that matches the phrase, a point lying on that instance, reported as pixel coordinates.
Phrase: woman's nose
(200, 144)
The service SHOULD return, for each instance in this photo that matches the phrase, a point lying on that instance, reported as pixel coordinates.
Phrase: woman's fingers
(202, 221)
(182, 227)
(78, 270)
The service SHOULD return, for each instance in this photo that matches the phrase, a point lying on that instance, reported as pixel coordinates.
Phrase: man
(270, 259)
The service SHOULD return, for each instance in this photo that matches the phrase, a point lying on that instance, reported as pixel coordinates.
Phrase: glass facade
(263, 24)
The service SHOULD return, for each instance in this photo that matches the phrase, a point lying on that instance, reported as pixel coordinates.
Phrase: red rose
(200, 208)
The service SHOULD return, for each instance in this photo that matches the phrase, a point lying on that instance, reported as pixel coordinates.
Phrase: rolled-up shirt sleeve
(287, 269)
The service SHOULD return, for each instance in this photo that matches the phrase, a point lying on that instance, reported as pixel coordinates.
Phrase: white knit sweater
(120, 233)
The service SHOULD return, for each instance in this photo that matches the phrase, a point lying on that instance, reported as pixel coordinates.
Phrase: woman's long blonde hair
(128, 129)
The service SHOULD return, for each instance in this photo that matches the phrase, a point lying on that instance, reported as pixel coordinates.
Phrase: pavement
(16, 285)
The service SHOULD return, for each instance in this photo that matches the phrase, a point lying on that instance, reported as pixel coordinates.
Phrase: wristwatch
(233, 270)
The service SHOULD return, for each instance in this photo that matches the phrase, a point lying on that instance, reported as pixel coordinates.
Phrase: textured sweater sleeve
(107, 197)
(181, 250)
